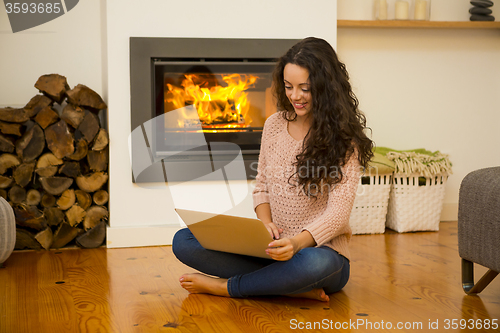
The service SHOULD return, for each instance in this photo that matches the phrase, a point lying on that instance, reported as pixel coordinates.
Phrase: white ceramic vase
(7, 230)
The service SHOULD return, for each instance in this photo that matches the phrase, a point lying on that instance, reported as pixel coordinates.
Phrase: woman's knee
(321, 262)
(180, 242)
(339, 281)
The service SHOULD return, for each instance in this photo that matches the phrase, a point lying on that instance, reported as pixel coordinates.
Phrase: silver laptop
(227, 233)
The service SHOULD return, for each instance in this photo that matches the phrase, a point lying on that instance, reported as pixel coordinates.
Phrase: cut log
(14, 115)
(53, 215)
(54, 85)
(94, 216)
(33, 197)
(60, 140)
(3, 194)
(47, 172)
(73, 115)
(89, 126)
(70, 169)
(11, 129)
(64, 234)
(92, 238)
(26, 240)
(48, 200)
(98, 160)
(36, 104)
(6, 182)
(46, 117)
(101, 141)
(30, 217)
(46, 165)
(80, 151)
(6, 144)
(23, 173)
(93, 182)
(84, 96)
(17, 194)
(101, 197)
(45, 238)
(48, 159)
(55, 185)
(75, 215)
(8, 161)
(31, 144)
(66, 200)
(83, 198)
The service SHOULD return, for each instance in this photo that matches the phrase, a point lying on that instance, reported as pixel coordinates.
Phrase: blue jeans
(310, 268)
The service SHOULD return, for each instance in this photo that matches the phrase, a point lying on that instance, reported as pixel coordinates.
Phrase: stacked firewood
(53, 166)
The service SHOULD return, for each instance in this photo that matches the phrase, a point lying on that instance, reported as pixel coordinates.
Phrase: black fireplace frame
(144, 51)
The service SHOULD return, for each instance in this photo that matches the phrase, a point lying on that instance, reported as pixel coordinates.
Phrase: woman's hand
(282, 249)
(263, 212)
(285, 248)
(273, 230)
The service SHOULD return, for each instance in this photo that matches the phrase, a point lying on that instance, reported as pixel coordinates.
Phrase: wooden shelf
(417, 24)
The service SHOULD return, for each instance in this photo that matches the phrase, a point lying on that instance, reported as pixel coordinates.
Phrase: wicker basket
(414, 206)
(370, 205)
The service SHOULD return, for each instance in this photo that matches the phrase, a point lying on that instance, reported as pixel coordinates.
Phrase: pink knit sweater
(327, 218)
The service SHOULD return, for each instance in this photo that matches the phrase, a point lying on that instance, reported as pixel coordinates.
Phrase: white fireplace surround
(143, 215)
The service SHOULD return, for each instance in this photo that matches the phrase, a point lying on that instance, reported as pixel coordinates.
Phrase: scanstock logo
(26, 14)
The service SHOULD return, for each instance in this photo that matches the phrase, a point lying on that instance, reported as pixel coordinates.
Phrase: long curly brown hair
(337, 128)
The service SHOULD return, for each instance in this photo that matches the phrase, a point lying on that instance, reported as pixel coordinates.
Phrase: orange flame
(217, 106)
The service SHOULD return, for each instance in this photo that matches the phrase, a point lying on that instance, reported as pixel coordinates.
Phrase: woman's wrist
(263, 212)
(302, 240)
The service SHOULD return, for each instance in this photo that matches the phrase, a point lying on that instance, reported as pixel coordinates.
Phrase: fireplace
(199, 104)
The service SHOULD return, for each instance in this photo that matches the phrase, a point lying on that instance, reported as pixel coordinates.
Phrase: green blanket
(419, 161)
(380, 165)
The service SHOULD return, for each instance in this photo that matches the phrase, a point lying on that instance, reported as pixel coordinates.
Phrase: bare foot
(201, 284)
(317, 294)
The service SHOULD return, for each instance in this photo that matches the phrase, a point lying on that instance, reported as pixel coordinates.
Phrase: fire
(217, 106)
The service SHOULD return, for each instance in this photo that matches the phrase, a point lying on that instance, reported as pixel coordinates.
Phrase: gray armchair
(479, 226)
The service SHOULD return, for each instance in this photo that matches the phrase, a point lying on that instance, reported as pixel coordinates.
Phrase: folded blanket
(380, 165)
(419, 161)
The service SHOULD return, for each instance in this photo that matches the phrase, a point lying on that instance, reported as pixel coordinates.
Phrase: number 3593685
(32, 8)
(472, 324)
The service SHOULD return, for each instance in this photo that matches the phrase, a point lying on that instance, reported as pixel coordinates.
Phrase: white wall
(70, 45)
(140, 216)
(435, 89)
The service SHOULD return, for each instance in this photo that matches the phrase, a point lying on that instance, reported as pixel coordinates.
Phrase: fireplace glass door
(226, 100)
(210, 109)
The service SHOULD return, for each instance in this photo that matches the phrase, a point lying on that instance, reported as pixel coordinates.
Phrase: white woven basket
(370, 206)
(413, 207)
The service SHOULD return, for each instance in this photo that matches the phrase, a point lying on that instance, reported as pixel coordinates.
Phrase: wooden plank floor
(406, 278)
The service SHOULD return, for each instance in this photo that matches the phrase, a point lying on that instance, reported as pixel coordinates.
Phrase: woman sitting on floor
(310, 162)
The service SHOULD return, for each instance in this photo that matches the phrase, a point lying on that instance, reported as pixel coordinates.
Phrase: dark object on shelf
(482, 3)
(480, 11)
(482, 18)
